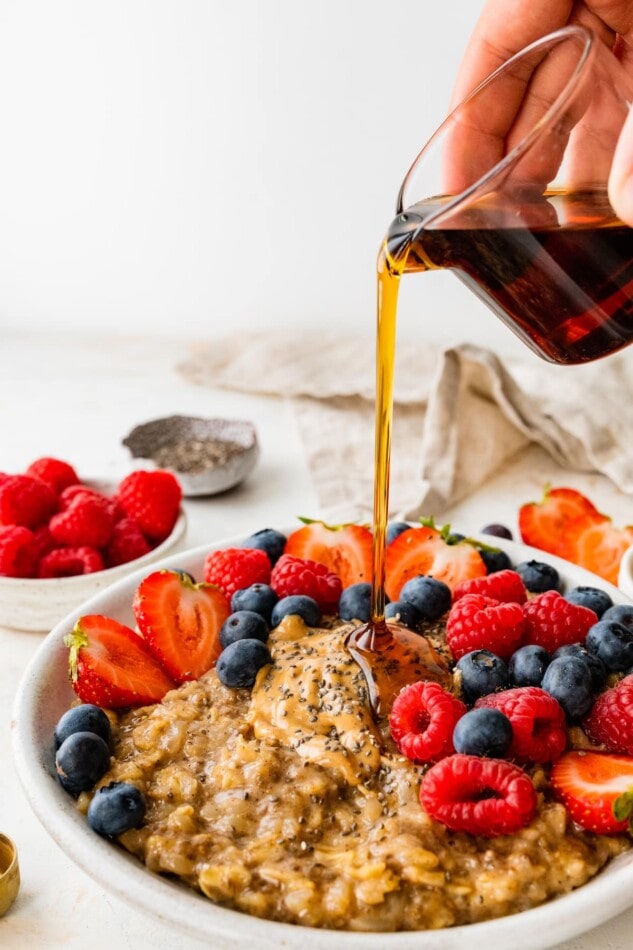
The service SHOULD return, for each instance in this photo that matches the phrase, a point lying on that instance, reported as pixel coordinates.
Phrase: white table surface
(76, 398)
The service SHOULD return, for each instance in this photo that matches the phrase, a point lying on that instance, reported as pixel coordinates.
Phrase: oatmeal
(289, 802)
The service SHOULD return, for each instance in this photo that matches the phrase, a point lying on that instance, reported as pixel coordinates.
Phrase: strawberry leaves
(622, 808)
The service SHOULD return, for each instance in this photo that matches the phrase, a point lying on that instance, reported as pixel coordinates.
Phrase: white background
(204, 166)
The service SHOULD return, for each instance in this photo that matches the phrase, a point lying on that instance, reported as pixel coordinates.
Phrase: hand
(506, 26)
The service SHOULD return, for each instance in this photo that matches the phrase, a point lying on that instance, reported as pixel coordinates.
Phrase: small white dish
(207, 456)
(44, 694)
(33, 604)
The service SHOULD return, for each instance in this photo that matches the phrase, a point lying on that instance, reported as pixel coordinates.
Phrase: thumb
(621, 176)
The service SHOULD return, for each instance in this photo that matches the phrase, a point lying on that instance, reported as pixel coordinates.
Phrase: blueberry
(268, 540)
(402, 612)
(240, 662)
(495, 560)
(455, 537)
(591, 597)
(568, 680)
(116, 808)
(184, 575)
(482, 672)
(483, 732)
(497, 531)
(82, 759)
(395, 528)
(430, 597)
(301, 606)
(538, 576)
(84, 718)
(260, 598)
(621, 613)
(355, 602)
(597, 668)
(243, 625)
(613, 643)
(527, 665)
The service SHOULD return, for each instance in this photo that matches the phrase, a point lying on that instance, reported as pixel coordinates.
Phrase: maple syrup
(558, 271)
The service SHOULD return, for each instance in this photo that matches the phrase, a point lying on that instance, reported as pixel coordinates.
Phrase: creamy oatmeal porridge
(289, 802)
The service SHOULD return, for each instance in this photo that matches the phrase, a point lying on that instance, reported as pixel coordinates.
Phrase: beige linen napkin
(459, 413)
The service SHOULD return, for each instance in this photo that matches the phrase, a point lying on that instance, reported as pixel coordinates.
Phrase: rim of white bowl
(175, 535)
(610, 892)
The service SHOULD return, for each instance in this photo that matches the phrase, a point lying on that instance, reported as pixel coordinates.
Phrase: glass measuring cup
(514, 188)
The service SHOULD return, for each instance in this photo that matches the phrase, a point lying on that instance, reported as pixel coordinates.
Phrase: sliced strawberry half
(345, 549)
(111, 666)
(599, 548)
(554, 523)
(595, 788)
(181, 622)
(424, 551)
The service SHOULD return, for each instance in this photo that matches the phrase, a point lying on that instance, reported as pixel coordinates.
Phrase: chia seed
(196, 455)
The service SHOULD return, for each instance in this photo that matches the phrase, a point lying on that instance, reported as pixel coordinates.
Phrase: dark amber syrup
(559, 272)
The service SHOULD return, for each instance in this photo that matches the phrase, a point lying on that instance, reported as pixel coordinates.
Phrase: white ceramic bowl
(33, 604)
(44, 694)
(625, 574)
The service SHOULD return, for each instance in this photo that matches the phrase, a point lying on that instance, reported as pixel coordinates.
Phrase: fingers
(504, 28)
(617, 14)
(510, 111)
(621, 178)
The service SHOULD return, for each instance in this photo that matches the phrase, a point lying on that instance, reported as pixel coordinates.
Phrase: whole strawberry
(236, 568)
(476, 622)
(26, 501)
(152, 499)
(295, 575)
(551, 621)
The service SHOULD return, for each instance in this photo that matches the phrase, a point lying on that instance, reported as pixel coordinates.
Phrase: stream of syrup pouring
(390, 655)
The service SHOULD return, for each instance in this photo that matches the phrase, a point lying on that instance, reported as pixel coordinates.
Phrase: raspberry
(610, 722)
(504, 586)
(480, 796)
(152, 499)
(482, 623)
(75, 492)
(59, 475)
(44, 540)
(422, 720)
(67, 562)
(539, 732)
(18, 552)
(296, 575)
(552, 621)
(126, 543)
(236, 568)
(25, 501)
(87, 522)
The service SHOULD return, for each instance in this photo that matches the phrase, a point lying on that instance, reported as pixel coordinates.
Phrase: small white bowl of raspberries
(63, 538)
